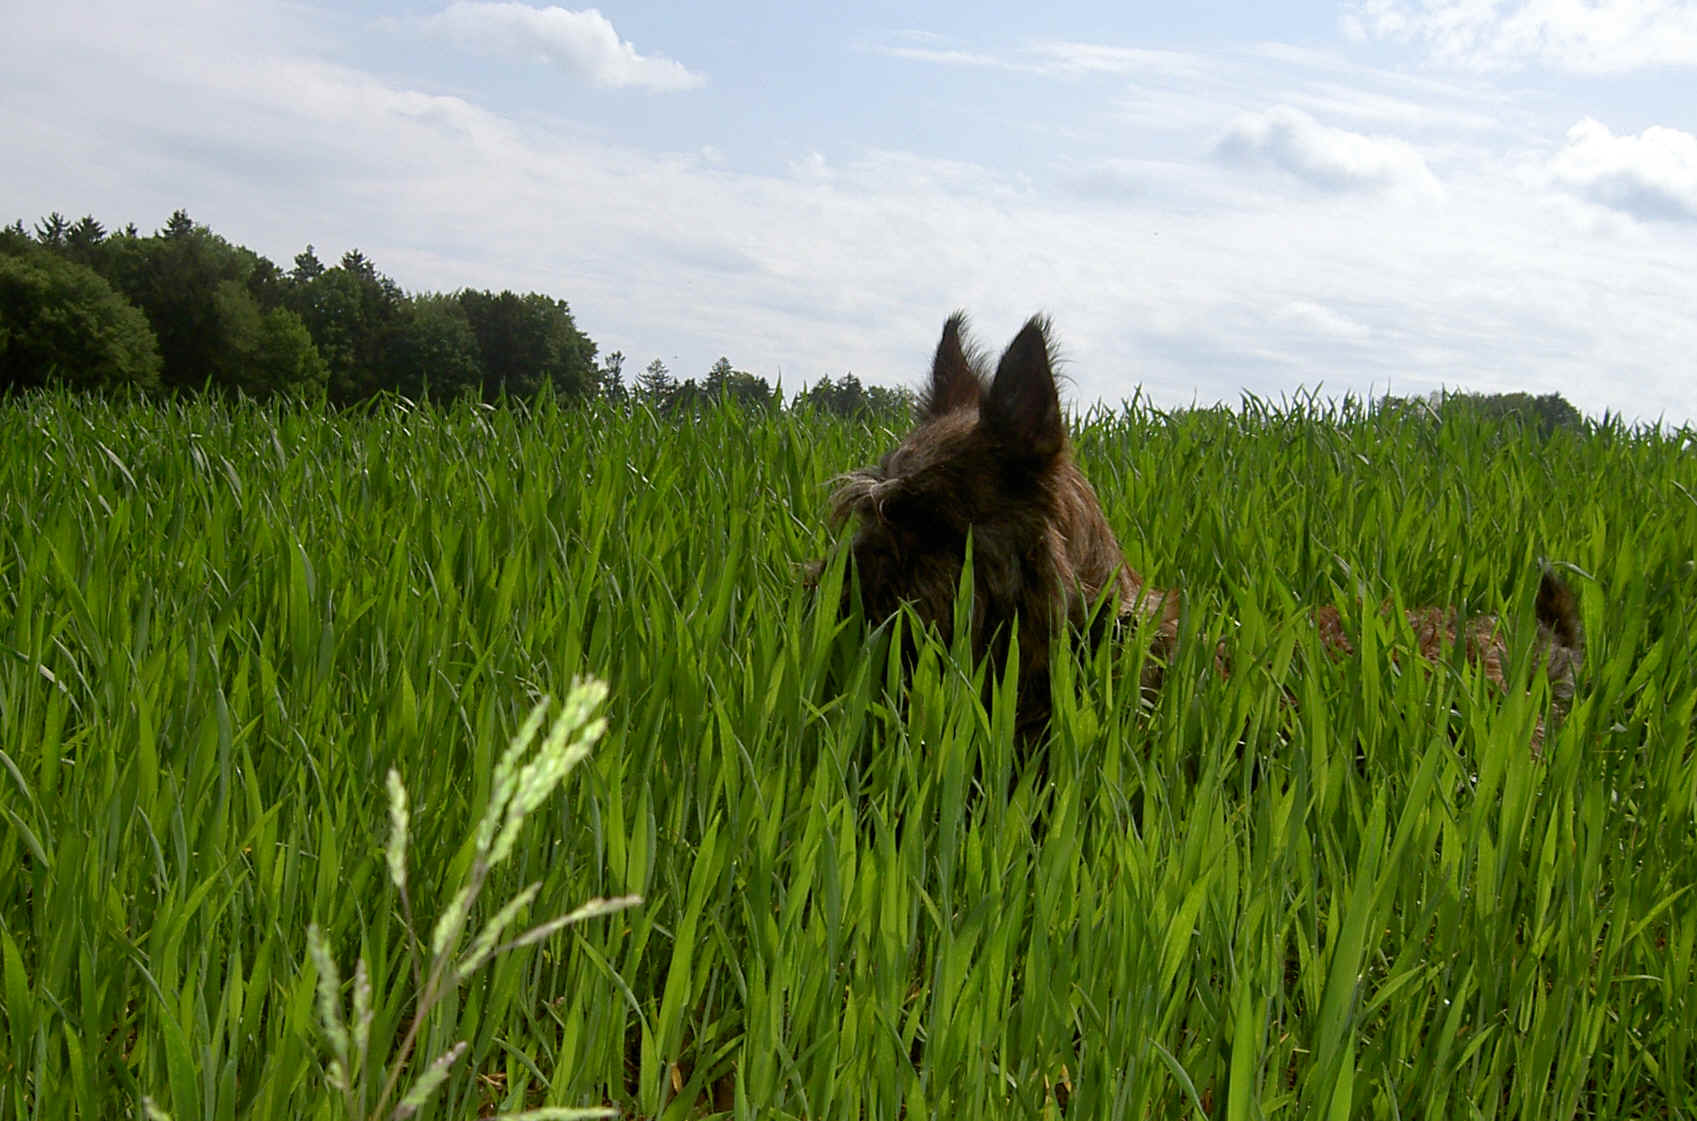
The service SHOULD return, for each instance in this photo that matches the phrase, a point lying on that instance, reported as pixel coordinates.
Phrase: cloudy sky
(1209, 198)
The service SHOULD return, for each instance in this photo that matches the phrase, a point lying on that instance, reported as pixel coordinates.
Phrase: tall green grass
(1311, 889)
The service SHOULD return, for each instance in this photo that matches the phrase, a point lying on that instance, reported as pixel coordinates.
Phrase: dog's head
(987, 462)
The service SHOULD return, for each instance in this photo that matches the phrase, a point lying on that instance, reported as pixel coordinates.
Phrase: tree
(842, 398)
(655, 385)
(686, 399)
(268, 284)
(885, 400)
(526, 342)
(745, 389)
(429, 348)
(847, 397)
(307, 267)
(192, 285)
(349, 310)
(221, 315)
(285, 359)
(611, 377)
(329, 305)
(52, 231)
(1545, 413)
(83, 241)
(572, 371)
(61, 322)
(180, 226)
(719, 376)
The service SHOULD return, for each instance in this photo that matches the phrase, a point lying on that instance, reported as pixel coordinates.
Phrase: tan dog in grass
(988, 458)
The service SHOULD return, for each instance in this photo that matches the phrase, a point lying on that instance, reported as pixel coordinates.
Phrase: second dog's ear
(1023, 408)
(954, 381)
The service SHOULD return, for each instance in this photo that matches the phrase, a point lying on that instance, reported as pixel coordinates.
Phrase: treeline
(1545, 413)
(185, 311)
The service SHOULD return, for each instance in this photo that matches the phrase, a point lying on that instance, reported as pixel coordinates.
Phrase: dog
(988, 462)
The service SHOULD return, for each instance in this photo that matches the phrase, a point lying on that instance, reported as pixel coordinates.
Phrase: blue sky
(1209, 199)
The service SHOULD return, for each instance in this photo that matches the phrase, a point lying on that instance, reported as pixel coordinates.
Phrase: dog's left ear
(1023, 408)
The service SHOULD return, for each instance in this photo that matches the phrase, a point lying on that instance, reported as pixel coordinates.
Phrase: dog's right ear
(954, 382)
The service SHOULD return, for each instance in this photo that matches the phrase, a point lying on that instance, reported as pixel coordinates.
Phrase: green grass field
(1312, 889)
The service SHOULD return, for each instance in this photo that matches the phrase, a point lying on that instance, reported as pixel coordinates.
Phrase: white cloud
(946, 56)
(1308, 316)
(1425, 113)
(1098, 58)
(584, 42)
(1052, 58)
(1652, 175)
(1328, 158)
(811, 168)
(1583, 36)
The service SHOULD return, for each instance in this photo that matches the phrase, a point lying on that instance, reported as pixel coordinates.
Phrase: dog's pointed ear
(954, 380)
(1023, 408)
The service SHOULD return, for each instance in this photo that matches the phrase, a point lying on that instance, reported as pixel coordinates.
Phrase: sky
(1208, 199)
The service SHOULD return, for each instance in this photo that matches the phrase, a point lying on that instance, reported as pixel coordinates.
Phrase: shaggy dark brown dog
(988, 460)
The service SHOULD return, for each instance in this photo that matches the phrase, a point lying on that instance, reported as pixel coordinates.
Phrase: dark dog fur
(989, 458)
